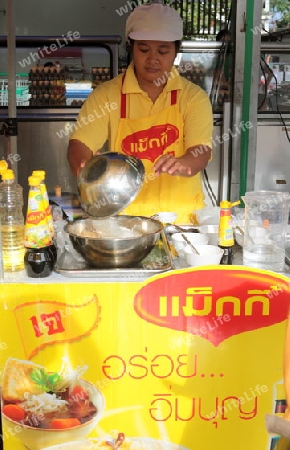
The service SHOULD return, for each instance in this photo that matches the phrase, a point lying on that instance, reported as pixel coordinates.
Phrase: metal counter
(120, 275)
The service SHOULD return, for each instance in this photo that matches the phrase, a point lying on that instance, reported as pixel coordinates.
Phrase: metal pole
(11, 51)
(250, 96)
(224, 188)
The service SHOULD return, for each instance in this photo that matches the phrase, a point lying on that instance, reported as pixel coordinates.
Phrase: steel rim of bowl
(116, 255)
(117, 219)
(100, 200)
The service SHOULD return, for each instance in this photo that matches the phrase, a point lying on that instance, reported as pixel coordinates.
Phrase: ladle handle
(189, 243)
(185, 238)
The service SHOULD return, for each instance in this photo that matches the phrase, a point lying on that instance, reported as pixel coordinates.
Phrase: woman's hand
(171, 165)
(78, 154)
(192, 162)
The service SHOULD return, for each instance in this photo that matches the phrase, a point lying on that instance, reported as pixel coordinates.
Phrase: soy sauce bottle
(38, 259)
(226, 234)
(53, 248)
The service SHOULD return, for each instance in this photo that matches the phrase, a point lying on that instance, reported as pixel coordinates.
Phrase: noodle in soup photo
(48, 408)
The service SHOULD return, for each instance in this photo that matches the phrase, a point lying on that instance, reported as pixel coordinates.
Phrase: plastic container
(266, 220)
(39, 258)
(3, 168)
(208, 215)
(12, 223)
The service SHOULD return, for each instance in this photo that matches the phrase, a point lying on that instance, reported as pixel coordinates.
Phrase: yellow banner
(187, 360)
(44, 323)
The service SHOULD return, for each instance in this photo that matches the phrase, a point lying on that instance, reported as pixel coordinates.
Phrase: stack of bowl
(206, 254)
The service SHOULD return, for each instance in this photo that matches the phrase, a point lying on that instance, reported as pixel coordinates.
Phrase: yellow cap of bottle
(3, 166)
(8, 175)
(39, 173)
(34, 181)
(227, 204)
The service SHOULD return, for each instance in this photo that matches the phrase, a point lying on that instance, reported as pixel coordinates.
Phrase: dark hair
(222, 34)
(48, 64)
(177, 46)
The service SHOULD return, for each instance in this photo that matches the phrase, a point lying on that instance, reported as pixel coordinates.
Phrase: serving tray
(159, 260)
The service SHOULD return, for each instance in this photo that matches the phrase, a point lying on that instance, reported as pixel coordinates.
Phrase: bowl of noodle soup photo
(130, 443)
(48, 408)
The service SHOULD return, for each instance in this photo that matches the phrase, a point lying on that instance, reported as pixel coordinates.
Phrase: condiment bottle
(280, 407)
(38, 258)
(41, 174)
(225, 233)
(12, 222)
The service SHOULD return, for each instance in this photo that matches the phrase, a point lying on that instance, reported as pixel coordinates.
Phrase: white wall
(57, 17)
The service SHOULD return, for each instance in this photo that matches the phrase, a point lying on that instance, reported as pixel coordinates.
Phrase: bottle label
(37, 237)
(47, 209)
(37, 233)
(225, 212)
(35, 218)
(226, 235)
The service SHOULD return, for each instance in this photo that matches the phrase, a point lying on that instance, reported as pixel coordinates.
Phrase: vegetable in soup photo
(49, 407)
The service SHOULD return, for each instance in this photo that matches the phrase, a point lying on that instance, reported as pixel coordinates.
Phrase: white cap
(154, 22)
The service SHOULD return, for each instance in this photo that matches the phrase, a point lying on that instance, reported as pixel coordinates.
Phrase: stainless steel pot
(108, 183)
(120, 241)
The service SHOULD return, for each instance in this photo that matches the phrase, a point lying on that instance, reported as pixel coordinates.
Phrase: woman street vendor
(154, 114)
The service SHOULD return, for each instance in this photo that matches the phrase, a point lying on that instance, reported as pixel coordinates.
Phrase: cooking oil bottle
(12, 223)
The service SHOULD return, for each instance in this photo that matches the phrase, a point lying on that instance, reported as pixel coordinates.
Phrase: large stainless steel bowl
(120, 241)
(108, 183)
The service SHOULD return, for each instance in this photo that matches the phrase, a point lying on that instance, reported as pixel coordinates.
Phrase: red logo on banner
(215, 304)
(150, 143)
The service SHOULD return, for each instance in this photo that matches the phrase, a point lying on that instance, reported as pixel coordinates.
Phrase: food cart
(171, 357)
(186, 358)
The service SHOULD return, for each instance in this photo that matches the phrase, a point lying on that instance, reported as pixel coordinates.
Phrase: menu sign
(188, 359)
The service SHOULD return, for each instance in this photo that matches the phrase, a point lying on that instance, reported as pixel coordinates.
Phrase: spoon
(240, 230)
(118, 442)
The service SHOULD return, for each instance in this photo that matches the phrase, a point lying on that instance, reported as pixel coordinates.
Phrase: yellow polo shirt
(99, 116)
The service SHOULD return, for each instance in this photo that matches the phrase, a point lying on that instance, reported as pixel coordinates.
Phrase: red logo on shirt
(150, 143)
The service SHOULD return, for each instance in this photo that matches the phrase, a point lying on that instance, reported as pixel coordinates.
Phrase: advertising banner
(190, 359)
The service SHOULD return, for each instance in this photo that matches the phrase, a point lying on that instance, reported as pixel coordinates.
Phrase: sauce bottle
(225, 233)
(41, 174)
(38, 259)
